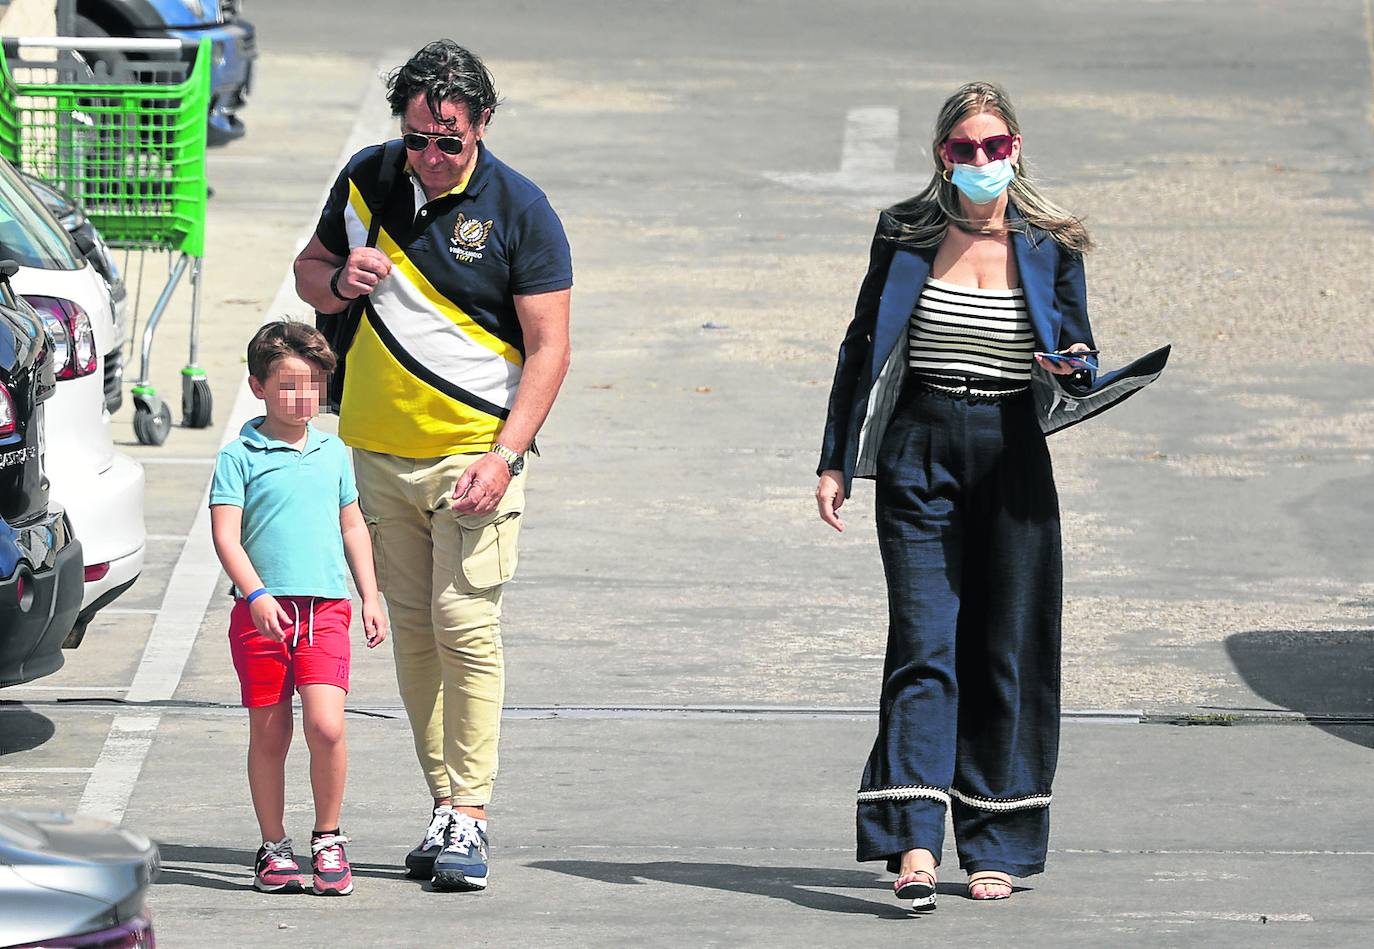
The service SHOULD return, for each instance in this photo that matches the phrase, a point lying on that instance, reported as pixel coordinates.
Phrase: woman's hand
(1062, 369)
(830, 496)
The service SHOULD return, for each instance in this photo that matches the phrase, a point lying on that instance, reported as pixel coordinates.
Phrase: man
(457, 360)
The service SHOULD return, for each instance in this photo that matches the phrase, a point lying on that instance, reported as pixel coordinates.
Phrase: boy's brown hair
(288, 338)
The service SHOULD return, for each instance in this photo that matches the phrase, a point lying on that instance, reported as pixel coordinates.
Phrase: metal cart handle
(99, 43)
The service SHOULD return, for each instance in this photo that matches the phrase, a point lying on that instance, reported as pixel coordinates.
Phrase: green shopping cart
(119, 124)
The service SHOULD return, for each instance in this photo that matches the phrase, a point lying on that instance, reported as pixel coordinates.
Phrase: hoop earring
(945, 175)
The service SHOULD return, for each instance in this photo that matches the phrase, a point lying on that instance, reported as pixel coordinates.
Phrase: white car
(101, 489)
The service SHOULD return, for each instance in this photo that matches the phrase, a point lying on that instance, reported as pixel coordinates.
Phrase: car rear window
(28, 233)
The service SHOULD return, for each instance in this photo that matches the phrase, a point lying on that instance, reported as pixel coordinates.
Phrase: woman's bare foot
(989, 885)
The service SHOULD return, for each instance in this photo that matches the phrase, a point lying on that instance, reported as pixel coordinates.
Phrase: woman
(971, 285)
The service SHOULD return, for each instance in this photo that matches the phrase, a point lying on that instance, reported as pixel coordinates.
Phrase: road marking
(166, 536)
(196, 573)
(46, 770)
(1220, 917)
(868, 161)
(70, 688)
(117, 769)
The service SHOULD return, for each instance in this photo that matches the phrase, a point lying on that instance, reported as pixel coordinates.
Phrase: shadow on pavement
(804, 886)
(1316, 673)
(225, 868)
(22, 729)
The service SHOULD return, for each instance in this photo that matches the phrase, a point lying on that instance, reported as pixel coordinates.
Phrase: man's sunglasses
(962, 151)
(419, 141)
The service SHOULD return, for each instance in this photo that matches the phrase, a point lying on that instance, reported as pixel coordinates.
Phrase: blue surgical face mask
(983, 183)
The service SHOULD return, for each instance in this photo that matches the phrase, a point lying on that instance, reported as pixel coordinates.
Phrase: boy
(284, 515)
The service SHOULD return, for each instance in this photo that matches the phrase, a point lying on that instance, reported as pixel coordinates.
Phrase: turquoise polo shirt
(291, 500)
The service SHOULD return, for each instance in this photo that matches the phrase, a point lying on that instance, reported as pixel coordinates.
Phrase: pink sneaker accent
(275, 870)
(333, 875)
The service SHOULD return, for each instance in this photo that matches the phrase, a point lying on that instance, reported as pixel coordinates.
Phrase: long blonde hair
(921, 221)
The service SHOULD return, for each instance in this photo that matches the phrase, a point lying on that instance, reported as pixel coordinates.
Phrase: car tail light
(9, 421)
(73, 337)
(96, 571)
(136, 933)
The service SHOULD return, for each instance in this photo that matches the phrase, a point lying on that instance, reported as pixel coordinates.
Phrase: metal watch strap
(511, 457)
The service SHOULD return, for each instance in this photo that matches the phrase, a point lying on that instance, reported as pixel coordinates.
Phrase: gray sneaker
(420, 861)
(462, 864)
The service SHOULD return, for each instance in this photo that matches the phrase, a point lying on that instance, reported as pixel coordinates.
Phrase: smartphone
(1074, 358)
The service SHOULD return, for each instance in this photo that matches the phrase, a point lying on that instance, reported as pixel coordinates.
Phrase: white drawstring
(310, 629)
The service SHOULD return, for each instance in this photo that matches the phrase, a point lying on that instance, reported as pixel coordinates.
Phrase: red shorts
(270, 671)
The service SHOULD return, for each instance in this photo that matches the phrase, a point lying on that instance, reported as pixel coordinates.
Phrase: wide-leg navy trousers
(968, 526)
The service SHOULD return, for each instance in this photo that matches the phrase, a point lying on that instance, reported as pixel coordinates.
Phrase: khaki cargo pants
(442, 578)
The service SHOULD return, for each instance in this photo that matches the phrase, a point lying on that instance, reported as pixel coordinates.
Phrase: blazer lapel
(906, 275)
(1035, 264)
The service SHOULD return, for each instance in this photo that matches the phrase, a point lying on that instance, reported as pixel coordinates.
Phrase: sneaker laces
(464, 834)
(277, 855)
(328, 850)
(434, 835)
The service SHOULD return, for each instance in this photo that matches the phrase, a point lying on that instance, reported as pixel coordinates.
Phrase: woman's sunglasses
(419, 141)
(962, 151)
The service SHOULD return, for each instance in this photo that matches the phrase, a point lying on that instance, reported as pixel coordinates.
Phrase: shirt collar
(252, 437)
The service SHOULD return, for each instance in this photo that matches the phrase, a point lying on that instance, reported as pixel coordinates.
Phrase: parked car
(75, 882)
(234, 45)
(72, 216)
(40, 558)
(100, 489)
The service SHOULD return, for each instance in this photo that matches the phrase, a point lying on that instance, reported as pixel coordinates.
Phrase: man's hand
(830, 496)
(374, 622)
(362, 271)
(482, 486)
(268, 616)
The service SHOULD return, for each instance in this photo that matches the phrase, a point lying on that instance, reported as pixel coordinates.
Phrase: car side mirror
(8, 268)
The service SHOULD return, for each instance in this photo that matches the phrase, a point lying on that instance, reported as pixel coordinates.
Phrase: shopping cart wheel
(196, 402)
(152, 418)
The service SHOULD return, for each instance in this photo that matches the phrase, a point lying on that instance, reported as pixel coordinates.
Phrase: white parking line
(116, 770)
(46, 770)
(197, 572)
(868, 161)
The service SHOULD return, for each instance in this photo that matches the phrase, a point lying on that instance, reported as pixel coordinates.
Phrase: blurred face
(437, 169)
(975, 137)
(291, 390)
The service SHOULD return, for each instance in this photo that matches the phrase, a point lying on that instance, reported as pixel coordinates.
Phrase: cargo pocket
(374, 532)
(490, 552)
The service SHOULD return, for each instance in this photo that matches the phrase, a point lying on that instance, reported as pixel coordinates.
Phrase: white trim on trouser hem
(1001, 804)
(905, 793)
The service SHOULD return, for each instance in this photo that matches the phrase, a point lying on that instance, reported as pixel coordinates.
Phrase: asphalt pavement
(693, 658)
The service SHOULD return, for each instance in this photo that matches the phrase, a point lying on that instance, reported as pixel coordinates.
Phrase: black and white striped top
(968, 331)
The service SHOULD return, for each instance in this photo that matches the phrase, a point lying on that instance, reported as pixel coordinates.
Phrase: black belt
(970, 387)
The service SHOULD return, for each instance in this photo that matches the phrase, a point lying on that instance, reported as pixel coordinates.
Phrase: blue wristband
(260, 591)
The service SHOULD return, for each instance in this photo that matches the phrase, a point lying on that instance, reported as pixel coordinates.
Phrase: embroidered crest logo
(470, 238)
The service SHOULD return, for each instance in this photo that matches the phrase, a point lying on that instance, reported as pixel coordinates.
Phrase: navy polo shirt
(438, 357)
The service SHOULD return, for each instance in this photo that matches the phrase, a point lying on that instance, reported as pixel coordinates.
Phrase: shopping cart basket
(119, 124)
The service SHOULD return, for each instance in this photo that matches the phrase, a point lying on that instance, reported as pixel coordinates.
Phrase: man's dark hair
(443, 72)
(288, 338)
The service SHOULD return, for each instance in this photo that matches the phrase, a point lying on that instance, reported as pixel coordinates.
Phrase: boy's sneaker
(462, 864)
(420, 861)
(333, 875)
(275, 869)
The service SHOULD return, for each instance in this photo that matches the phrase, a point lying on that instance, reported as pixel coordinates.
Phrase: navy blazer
(1056, 302)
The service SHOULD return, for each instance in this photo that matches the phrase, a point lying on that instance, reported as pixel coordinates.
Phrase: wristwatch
(334, 286)
(513, 459)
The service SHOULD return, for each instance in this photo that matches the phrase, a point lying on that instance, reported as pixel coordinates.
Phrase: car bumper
(106, 513)
(233, 48)
(33, 627)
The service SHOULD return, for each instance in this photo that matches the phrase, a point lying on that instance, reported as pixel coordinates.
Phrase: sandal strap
(908, 877)
(989, 877)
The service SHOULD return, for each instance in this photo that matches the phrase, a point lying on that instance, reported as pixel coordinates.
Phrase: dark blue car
(41, 573)
(233, 44)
